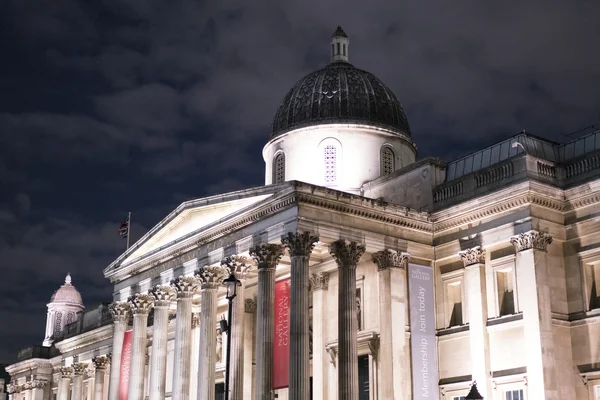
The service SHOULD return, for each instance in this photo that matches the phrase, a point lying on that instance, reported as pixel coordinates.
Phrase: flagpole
(128, 230)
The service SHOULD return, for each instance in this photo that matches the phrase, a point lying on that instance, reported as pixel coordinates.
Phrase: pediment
(191, 217)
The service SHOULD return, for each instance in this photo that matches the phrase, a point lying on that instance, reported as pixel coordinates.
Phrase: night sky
(127, 105)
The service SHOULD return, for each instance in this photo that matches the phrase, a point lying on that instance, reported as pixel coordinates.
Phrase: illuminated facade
(377, 277)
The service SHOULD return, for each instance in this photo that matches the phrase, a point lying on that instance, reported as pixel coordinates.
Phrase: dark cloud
(139, 105)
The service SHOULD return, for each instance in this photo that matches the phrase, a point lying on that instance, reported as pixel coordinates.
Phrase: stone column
(195, 349)
(27, 390)
(211, 277)
(64, 386)
(37, 389)
(120, 312)
(185, 286)
(535, 302)
(101, 363)
(158, 371)
(347, 256)
(240, 267)
(476, 297)
(11, 389)
(249, 319)
(319, 283)
(300, 245)
(79, 369)
(141, 304)
(267, 257)
(394, 368)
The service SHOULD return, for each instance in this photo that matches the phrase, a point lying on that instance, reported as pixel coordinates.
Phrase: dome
(340, 93)
(67, 293)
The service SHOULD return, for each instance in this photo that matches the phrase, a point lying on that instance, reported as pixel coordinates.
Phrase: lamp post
(231, 283)
(474, 393)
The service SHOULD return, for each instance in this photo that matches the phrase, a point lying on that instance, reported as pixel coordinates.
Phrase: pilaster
(64, 386)
(347, 256)
(267, 257)
(535, 302)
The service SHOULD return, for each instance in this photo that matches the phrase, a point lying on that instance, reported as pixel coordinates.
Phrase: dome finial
(68, 279)
(339, 45)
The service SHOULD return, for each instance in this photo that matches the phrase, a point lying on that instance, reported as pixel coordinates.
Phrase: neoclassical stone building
(366, 274)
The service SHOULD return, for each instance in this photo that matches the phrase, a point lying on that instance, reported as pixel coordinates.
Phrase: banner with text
(125, 366)
(281, 344)
(422, 333)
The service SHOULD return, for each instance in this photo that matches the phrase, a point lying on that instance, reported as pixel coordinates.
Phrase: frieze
(531, 240)
(475, 255)
(319, 281)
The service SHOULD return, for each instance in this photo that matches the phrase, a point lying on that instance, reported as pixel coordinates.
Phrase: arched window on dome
(330, 164)
(279, 168)
(387, 160)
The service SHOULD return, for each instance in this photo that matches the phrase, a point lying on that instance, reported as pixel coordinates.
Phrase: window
(338, 48)
(592, 285)
(330, 160)
(387, 160)
(506, 294)
(455, 304)
(279, 168)
(514, 395)
(344, 47)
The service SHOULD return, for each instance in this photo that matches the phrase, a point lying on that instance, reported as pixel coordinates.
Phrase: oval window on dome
(387, 160)
(279, 168)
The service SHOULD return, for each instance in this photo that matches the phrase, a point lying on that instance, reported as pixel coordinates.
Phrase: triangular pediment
(191, 217)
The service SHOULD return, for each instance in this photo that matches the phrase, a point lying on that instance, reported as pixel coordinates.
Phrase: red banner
(125, 366)
(281, 344)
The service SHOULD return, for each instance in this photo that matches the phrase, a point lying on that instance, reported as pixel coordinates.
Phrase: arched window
(279, 168)
(387, 160)
(330, 163)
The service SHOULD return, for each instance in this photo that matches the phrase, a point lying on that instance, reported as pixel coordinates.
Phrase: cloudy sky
(125, 105)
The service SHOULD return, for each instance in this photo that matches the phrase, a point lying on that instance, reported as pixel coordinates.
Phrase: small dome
(340, 93)
(67, 293)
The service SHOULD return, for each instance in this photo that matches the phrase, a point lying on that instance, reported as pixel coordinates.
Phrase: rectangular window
(455, 305)
(338, 48)
(505, 290)
(592, 285)
(514, 395)
(363, 378)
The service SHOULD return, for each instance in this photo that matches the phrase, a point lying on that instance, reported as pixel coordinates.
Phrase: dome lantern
(339, 46)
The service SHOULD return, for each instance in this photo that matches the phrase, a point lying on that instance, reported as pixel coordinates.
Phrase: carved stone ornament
(66, 372)
(185, 286)
(250, 306)
(299, 244)
(238, 265)
(211, 277)
(531, 240)
(12, 388)
(319, 281)
(163, 295)
(90, 371)
(79, 368)
(120, 311)
(267, 255)
(475, 255)
(390, 259)
(346, 254)
(195, 320)
(141, 303)
(39, 384)
(101, 362)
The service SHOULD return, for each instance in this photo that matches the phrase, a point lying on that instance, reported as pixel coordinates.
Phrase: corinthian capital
(267, 255)
(141, 303)
(79, 368)
(38, 384)
(237, 265)
(185, 286)
(319, 281)
(211, 277)
(120, 311)
(101, 362)
(66, 372)
(346, 255)
(299, 244)
(475, 255)
(162, 295)
(531, 240)
(385, 259)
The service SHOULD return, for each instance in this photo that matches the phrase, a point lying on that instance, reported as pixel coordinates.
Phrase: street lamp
(231, 283)
(474, 393)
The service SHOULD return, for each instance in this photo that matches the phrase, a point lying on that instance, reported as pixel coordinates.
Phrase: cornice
(28, 365)
(85, 339)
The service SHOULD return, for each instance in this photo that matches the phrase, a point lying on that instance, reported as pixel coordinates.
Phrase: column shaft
(386, 388)
(120, 313)
(347, 256)
(195, 349)
(319, 284)
(141, 305)
(158, 363)
(77, 387)
(64, 385)
(249, 320)
(101, 363)
(237, 346)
